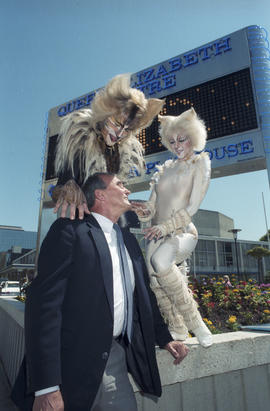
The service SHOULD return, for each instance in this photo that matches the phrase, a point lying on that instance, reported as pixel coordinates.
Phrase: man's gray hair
(93, 183)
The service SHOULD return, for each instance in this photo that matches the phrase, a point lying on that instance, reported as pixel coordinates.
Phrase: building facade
(20, 269)
(217, 256)
(12, 236)
(216, 253)
(16, 244)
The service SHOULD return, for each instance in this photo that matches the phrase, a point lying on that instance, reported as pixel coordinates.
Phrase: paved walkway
(5, 402)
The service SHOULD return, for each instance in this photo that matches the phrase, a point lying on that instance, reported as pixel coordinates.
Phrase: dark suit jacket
(69, 318)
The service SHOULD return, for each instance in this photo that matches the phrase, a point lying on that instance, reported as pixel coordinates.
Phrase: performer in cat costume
(101, 140)
(177, 190)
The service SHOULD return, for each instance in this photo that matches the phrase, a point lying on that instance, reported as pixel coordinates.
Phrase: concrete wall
(213, 223)
(231, 375)
(11, 336)
(242, 390)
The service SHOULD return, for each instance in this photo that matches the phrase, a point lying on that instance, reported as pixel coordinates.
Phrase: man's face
(115, 129)
(116, 195)
(181, 146)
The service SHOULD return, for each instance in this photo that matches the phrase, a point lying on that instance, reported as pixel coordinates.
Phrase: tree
(259, 253)
(3, 259)
(264, 237)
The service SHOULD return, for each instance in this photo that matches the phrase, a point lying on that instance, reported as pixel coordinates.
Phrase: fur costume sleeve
(78, 150)
(131, 155)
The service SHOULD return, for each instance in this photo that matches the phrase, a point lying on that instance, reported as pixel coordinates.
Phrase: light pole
(235, 231)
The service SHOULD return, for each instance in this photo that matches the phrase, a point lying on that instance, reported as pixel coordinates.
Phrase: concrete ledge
(14, 308)
(229, 352)
(11, 336)
(231, 375)
(219, 378)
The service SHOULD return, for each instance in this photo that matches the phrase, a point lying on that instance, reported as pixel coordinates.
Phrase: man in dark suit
(77, 348)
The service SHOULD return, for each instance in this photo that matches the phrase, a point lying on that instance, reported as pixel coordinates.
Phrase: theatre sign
(227, 81)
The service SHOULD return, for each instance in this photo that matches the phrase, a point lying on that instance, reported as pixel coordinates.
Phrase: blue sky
(55, 50)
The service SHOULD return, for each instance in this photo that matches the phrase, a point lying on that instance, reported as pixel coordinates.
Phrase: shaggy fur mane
(80, 133)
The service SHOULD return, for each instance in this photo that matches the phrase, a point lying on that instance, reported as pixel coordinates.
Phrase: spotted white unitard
(177, 190)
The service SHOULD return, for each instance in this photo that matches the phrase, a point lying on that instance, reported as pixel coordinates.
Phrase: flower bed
(225, 305)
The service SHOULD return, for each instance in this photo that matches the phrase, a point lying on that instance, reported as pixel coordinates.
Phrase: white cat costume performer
(177, 190)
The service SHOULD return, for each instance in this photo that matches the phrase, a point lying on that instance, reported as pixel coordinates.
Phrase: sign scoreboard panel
(226, 104)
(225, 81)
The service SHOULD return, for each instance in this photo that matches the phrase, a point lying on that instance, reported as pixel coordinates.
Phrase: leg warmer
(174, 284)
(171, 317)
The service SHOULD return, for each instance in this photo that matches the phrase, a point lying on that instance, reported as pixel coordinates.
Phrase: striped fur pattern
(80, 135)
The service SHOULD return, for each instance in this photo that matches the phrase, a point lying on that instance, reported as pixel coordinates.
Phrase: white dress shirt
(118, 290)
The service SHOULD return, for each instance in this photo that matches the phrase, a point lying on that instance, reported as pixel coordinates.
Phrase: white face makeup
(181, 146)
(114, 131)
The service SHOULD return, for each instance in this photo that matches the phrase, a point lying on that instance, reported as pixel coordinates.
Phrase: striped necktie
(127, 285)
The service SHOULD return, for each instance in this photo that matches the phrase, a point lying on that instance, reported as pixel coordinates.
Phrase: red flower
(212, 305)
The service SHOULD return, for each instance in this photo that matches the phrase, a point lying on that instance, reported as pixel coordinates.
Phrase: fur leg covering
(173, 319)
(174, 284)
